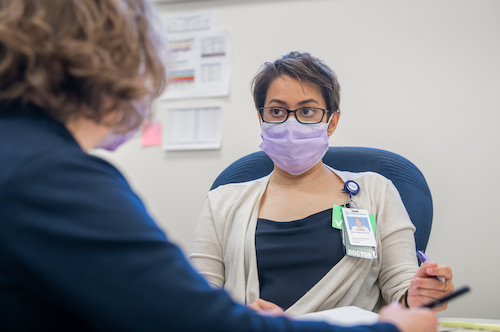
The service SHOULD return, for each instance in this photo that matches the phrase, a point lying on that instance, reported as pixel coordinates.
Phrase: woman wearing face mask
(270, 242)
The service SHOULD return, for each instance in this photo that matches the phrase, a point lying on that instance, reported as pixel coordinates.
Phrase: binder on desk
(469, 326)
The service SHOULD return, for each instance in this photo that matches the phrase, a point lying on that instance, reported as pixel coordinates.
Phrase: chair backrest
(407, 178)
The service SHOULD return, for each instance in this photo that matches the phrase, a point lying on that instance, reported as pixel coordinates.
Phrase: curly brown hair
(70, 56)
(303, 67)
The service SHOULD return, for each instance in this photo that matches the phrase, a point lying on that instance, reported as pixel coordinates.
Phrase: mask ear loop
(330, 119)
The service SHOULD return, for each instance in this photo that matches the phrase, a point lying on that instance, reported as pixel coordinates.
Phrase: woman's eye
(308, 111)
(277, 112)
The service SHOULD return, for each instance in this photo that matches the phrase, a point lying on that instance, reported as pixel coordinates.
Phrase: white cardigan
(224, 248)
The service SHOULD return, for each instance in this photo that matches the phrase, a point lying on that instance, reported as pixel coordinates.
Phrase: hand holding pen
(432, 281)
(423, 258)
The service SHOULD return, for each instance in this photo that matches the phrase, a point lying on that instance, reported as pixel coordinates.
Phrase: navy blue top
(79, 251)
(293, 256)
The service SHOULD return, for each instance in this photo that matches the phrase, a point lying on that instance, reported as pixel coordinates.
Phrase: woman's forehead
(292, 91)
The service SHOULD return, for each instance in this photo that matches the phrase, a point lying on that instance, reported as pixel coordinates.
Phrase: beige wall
(420, 78)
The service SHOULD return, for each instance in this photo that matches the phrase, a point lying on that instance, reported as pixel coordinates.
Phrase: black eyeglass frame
(260, 110)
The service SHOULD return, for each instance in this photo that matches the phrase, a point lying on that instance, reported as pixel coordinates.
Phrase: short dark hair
(303, 67)
(102, 55)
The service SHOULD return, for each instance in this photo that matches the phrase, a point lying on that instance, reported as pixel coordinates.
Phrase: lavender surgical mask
(294, 147)
(113, 140)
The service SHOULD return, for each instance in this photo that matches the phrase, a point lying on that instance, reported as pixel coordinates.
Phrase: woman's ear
(333, 123)
(260, 120)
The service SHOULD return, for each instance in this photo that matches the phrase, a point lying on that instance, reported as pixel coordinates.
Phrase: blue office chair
(407, 178)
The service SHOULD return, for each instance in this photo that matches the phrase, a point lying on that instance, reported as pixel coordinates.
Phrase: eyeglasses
(305, 115)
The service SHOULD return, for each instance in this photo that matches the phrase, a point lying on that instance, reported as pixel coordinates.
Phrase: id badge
(359, 235)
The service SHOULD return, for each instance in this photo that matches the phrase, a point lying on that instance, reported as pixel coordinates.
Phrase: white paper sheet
(189, 22)
(193, 128)
(198, 64)
(344, 316)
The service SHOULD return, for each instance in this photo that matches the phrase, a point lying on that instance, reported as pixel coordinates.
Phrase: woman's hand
(266, 308)
(409, 320)
(425, 287)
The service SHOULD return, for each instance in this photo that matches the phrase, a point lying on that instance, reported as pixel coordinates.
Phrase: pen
(423, 258)
(446, 298)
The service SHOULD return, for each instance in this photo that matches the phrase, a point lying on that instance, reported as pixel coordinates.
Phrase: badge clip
(351, 188)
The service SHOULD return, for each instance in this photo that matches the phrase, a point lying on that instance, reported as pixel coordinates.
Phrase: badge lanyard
(358, 232)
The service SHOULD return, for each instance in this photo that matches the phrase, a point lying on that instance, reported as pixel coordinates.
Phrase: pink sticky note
(151, 134)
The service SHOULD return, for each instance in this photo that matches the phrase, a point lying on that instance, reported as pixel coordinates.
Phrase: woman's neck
(312, 177)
